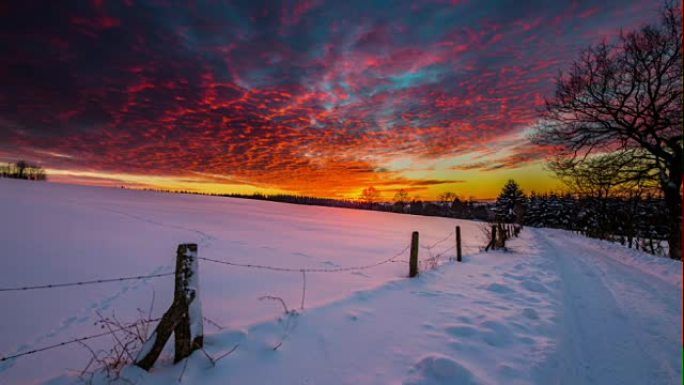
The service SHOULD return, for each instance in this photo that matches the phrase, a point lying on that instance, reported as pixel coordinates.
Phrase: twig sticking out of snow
(110, 363)
(290, 318)
(214, 323)
(76, 340)
(274, 298)
(226, 354)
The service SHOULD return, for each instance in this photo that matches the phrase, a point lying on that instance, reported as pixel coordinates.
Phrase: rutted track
(617, 324)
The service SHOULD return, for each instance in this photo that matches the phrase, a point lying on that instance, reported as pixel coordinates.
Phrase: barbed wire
(443, 252)
(433, 260)
(75, 340)
(438, 242)
(82, 283)
(307, 270)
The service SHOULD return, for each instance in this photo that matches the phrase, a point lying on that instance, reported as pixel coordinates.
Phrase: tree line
(634, 220)
(22, 170)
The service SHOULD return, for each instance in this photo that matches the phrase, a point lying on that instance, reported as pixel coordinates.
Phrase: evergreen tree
(510, 205)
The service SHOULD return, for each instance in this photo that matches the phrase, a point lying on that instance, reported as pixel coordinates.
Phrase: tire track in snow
(641, 296)
(618, 325)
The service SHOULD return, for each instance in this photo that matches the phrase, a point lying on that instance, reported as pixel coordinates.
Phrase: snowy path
(617, 324)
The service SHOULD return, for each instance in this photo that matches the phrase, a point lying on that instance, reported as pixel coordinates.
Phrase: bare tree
(447, 198)
(625, 98)
(370, 195)
(401, 197)
(617, 174)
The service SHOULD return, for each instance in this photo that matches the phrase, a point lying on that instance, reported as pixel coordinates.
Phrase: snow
(556, 309)
(617, 325)
(193, 297)
(663, 268)
(146, 347)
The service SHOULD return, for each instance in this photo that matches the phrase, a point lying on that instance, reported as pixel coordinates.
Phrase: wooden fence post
(458, 244)
(184, 316)
(492, 242)
(189, 331)
(413, 261)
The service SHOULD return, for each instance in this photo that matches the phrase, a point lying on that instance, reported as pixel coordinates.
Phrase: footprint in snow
(354, 315)
(514, 276)
(303, 255)
(497, 334)
(428, 293)
(500, 289)
(535, 287)
(530, 313)
(440, 370)
(461, 330)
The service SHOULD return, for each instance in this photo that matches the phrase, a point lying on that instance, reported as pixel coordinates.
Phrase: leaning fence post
(189, 331)
(413, 261)
(184, 316)
(458, 243)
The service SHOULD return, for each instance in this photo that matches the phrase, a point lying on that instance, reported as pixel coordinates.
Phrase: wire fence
(429, 262)
(76, 340)
(307, 269)
(84, 283)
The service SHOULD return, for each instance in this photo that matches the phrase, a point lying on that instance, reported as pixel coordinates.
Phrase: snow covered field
(556, 309)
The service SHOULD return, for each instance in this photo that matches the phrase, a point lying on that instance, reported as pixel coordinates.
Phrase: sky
(310, 97)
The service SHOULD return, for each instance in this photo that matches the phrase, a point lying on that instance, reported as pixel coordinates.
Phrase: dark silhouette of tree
(23, 170)
(416, 207)
(370, 195)
(446, 199)
(401, 199)
(22, 165)
(460, 208)
(634, 221)
(625, 98)
(510, 205)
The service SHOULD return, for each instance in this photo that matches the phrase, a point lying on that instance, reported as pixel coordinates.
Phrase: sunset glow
(310, 97)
